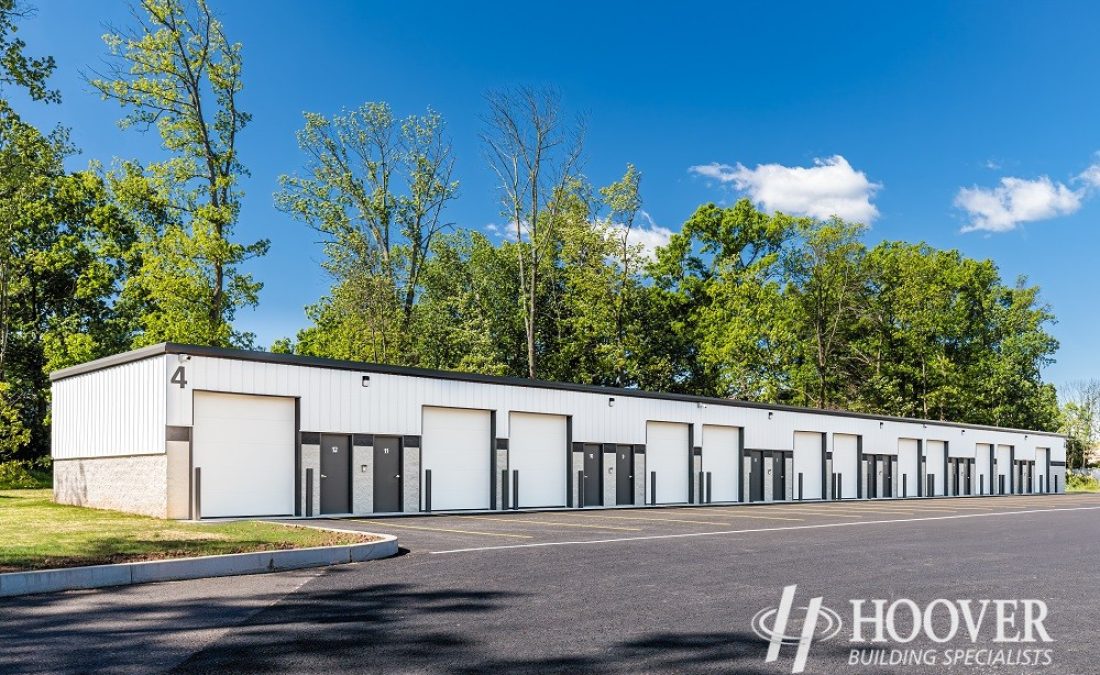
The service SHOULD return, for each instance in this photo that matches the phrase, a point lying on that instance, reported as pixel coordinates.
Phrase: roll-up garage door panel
(721, 447)
(244, 446)
(537, 450)
(807, 462)
(456, 444)
(845, 462)
(667, 456)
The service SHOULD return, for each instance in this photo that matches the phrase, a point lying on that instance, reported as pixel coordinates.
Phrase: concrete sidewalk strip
(124, 574)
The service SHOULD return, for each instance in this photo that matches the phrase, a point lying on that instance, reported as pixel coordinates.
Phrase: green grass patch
(1078, 483)
(36, 533)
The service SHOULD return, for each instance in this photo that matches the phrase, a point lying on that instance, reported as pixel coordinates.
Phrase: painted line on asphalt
(439, 529)
(551, 522)
(808, 511)
(727, 514)
(665, 520)
(819, 526)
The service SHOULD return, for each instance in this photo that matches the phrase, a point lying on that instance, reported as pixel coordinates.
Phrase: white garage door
(908, 466)
(537, 449)
(456, 448)
(667, 455)
(721, 448)
(245, 448)
(846, 463)
(807, 463)
(933, 466)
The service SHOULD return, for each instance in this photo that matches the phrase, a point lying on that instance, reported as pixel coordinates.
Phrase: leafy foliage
(738, 303)
(178, 72)
(16, 67)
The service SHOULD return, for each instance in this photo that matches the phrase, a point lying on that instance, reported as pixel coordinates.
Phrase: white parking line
(761, 529)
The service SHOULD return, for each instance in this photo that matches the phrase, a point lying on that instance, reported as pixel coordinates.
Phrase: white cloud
(1090, 176)
(1019, 200)
(831, 187)
(506, 232)
(1024, 200)
(649, 237)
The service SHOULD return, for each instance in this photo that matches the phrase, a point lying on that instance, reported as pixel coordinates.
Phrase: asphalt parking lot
(622, 591)
(438, 534)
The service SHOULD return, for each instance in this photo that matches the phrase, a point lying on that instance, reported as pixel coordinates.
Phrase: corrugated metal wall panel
(335, 401)
(109, 413)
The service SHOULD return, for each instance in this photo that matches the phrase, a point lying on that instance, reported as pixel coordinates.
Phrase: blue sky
(927, 118)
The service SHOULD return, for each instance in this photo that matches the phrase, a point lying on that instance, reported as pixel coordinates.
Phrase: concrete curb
(125, 574)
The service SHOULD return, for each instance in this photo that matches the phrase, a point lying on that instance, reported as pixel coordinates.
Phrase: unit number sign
(180, 377)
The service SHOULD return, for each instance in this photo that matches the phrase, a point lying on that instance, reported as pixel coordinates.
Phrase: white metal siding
(1041, 455)
(908, 466)
(537, 450)
(721, 458)
(245, 448)
(807, 463)
(1004, 468)
(667, 451)
(110, 413)
(983, 481)
(335, 401)
(455, 449)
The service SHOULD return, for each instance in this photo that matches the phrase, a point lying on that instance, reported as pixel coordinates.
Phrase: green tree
(823, 271)
(1081, 420)
(601, 285)
(16, 68)
(59, 272)
(467, 318)
(177, 71)
(59, 255)
(724, 311)
(942, 337)
(376, 188)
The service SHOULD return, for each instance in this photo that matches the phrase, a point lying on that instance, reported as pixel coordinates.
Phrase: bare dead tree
(535, 153)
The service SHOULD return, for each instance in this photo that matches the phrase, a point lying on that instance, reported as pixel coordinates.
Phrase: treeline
(738, 303)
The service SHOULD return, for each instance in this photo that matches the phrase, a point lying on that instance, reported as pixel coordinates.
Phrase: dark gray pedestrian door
(872, 477)
(756, 476)
(387, 474)
(624, 475)
(779, 476)
(592, 494)
(335, 474)
(887, 476)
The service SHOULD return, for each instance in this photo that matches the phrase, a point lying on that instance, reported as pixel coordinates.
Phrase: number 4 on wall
(180, 377)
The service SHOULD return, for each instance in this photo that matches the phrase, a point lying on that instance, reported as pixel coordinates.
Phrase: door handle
(397, 476)
(324, 476)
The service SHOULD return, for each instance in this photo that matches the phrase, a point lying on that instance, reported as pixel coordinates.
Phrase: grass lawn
(36, 533)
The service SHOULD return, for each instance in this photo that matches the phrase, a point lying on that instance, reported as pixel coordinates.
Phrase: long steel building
(178, 431)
